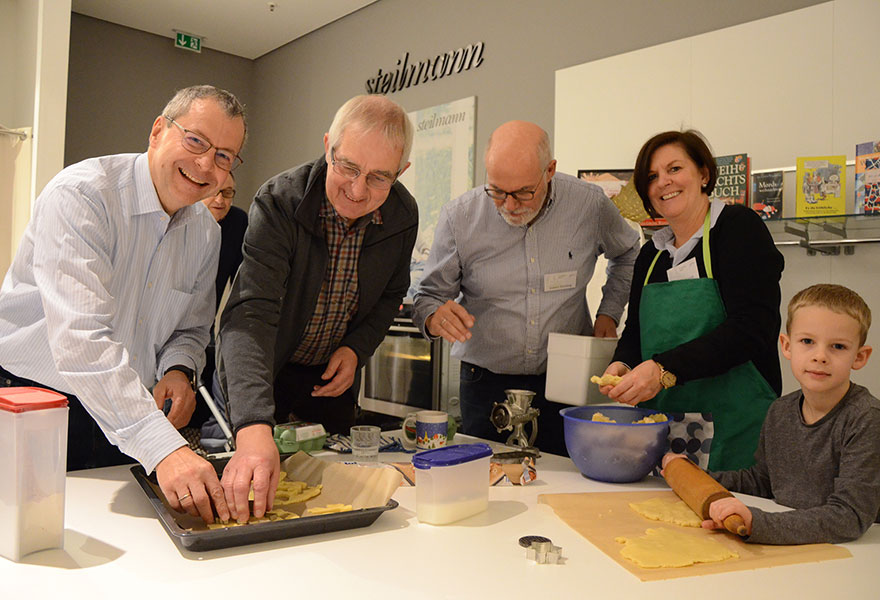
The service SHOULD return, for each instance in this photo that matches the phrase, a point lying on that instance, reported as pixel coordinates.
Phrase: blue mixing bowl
(618, 452)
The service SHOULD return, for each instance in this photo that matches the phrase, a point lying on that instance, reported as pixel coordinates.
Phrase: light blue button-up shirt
(107, 292)
(522, 283)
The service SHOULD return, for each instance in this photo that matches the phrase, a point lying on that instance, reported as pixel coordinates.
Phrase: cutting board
(602, 517)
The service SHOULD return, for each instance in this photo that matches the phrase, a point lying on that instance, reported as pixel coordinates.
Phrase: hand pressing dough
(607, 379)
(661, 548)
(668, 511)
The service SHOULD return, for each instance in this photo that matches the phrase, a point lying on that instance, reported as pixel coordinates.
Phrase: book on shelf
(820, 186)
(766, 196)
(732, 186)
(868, 178)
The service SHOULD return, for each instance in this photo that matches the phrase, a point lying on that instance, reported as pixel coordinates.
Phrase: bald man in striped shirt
(510, 263)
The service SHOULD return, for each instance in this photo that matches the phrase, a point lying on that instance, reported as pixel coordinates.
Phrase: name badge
(686, 270)
(560, 281)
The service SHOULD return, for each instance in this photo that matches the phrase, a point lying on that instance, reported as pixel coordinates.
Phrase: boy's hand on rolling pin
(670, 456)
(721, 509)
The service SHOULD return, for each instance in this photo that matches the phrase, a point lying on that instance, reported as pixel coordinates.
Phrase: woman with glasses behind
(233, 223)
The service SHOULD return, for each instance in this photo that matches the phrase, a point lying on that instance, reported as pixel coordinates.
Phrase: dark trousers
(294, 400)
(480, 389)
(87, 446)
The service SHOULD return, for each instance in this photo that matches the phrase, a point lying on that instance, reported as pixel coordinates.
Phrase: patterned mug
(428, 429)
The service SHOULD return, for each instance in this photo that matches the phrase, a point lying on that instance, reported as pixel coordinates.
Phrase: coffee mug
(428, 429)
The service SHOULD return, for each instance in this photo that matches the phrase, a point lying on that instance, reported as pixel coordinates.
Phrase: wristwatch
(190, 374)
(667, 379)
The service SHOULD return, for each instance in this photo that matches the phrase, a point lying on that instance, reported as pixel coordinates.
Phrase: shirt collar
(146, 199)
(327, 211)
(665, 239)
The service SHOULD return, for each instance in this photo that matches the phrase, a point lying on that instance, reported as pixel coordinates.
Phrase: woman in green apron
(703, 316)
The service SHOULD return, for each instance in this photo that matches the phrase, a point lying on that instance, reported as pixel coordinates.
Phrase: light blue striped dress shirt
(106, 292)
(506, 274)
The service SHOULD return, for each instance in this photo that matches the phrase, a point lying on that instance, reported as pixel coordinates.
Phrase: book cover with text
(868, 178)
(766, 197)
(732, 186)
(820, 186)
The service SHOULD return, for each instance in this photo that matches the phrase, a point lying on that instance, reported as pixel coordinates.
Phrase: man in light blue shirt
(520, 252)
(111, 292)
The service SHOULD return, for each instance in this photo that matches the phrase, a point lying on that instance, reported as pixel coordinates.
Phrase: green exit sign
(188, 42)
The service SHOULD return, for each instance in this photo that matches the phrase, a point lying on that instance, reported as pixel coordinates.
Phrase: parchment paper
(602, 517)
(362, 487)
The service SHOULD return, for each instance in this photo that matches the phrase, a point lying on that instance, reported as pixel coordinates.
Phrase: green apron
(676, 312)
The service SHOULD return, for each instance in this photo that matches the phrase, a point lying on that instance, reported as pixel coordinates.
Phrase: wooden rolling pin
(699, 491)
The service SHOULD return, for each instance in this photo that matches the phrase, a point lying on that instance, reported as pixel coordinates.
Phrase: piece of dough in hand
(606, 379)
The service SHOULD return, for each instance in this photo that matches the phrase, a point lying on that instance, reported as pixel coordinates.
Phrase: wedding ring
(443, 322)
(184, 497)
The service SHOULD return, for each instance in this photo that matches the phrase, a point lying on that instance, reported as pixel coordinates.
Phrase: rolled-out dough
(665, 547)
(668, 511)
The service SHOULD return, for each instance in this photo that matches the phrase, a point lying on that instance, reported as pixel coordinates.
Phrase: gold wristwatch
(667, 379)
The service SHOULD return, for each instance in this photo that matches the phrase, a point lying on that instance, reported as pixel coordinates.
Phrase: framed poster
(442, 168)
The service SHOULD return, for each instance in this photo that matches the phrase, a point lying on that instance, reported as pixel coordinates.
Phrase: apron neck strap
(707, 258)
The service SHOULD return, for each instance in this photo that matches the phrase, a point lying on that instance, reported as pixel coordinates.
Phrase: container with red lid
(33, 465)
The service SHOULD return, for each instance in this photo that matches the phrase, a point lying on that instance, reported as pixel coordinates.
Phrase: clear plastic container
(33, 467)
(452, 483)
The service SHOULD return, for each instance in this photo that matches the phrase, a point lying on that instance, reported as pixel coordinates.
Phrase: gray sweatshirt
(829, 472)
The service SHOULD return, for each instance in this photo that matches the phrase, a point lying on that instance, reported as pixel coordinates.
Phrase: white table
(115, 547)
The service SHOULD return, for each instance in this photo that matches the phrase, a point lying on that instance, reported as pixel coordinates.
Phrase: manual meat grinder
(514, 413)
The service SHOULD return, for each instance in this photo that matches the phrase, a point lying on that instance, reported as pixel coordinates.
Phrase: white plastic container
(571, 361)
(452, 483)
(33, 467)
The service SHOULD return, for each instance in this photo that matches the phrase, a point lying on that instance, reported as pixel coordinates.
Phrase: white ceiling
(246, 28)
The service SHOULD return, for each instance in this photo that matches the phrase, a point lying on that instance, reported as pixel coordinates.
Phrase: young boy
(819, 451)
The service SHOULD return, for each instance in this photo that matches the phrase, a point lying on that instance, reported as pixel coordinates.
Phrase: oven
(408, 372)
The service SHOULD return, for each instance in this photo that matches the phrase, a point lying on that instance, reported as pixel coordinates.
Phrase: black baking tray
(213, 539)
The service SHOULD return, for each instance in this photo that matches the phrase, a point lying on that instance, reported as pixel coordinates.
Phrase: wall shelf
(826, 235)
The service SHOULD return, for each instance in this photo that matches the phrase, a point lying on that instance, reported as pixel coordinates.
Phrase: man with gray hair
(520, 252)
(112, 292)
(326, 264)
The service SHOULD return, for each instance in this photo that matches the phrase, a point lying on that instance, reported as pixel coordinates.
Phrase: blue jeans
(480, 389)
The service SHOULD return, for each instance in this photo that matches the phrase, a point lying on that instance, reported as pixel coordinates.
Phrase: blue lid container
(451, 455)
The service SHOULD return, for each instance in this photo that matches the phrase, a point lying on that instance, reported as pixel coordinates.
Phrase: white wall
(34, 42)
(50, 91)
(797, 84)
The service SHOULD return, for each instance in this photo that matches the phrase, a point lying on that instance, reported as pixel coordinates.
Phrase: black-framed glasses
(195, 143)
(519, 195)
(377, 181)
(228, 193)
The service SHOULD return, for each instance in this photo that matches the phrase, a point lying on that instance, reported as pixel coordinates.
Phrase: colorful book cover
(732, 185)
(766, 196)
(821, 186)
(868, 178)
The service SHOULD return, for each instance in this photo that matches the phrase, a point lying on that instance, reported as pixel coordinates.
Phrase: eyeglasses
(519, 195)
(377, 181)
(192, 141)
(227, 193)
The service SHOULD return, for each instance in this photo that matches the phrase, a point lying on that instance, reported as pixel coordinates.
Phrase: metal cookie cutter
(541, 549)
